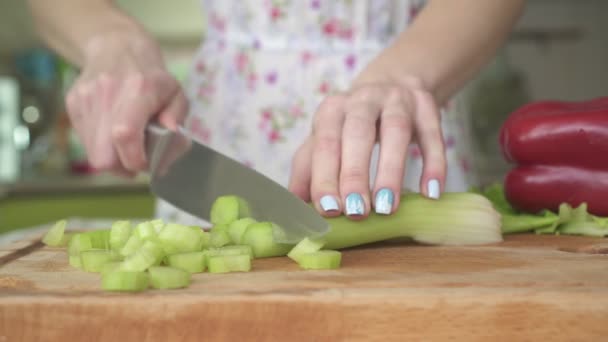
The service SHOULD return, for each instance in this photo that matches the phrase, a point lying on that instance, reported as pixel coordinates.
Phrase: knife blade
(191, 176)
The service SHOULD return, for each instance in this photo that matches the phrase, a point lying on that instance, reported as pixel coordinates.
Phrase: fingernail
(384, 201)
(354, 204)
(433, 189)
(328, 203)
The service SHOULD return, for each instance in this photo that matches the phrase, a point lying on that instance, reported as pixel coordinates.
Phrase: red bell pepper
(561, 152)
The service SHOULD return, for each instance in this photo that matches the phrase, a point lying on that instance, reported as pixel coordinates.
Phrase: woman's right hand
(122, 86)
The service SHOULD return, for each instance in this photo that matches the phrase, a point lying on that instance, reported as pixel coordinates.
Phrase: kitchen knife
(191, 176)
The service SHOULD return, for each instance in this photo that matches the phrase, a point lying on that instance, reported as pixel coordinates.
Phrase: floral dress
(265, 65)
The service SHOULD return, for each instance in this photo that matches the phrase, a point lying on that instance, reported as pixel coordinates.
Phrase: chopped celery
(75, 261)
(100, 238)
(94, 259)
(119, 234)
(225, 210)
(131, 246)
(111, 266)
(219, 228)
(149, 254)
(305, 246)
(455, 219)
(124, 281)
(230, 250)
(164, 277)
(236, 229)
(145, 231)
(79, 243)
(54, 237)
(158, 224)
(205, 239)
(65, 240)
(229, 263)
(176, 238)
(219, 238)
(193, 262)
(260, 237)
(320, 260)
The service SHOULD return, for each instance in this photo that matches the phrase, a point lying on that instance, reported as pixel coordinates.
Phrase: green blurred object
(27, 211)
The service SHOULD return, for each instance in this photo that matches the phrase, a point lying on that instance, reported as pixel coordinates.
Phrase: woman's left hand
(331, 168)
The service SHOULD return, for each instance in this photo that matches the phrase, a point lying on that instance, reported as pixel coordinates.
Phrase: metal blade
(191, 176)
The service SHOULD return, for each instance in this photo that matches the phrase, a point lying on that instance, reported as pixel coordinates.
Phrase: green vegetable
(79, 243)
(146, 231)
(111, 266)
(231, 250)
(94, 259)
(305, 246)
(320, 260)
(132, 245)
(54, 237)
(177, 238)
(193, 262)
(99, 238)
(229, 263)
(455, 219)
(124, 281)
(219, 238)
(164, 277)
(237, 229)
(260, 237)
(225, 210)
(119, 234)
(75, 261)
(149, 254)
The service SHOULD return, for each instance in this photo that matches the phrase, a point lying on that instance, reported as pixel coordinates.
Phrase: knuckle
(123, 133)
(363, 94)
(394, 94)
(326, 143)
(322, 187)
(395, 122)
(353, 174)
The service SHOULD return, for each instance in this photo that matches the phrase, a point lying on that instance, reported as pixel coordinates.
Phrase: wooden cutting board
(529, 288)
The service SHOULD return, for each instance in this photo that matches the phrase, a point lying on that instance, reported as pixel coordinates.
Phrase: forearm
(447, 44)
(71, 27)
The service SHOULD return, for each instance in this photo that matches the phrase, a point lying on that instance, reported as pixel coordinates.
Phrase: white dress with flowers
(265, 65)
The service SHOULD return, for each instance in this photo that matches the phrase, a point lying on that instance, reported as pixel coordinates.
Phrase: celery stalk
(219, 238)
(229, 263)
(193, 262)
(320, 260)
(164, 277)
(124, 281)
(305, 246)
(131, 246)
(54, 237)
(176, 238)
(145, 231)
(94, 259)
(149, 254)
(119, 234)
(230, 250)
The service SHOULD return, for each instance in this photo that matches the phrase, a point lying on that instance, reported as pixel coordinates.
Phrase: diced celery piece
(177, 238)
(261, 239)
(100, 238)
(149, 254)
(79, 243)
(119, 234)
(219, 238)
(237, 229)
(193, 262)
(75, 261)
(320, 260)
(164, 277)
(158, 225)
(230, 250)
(225, 210)
(145, 231)
(111, 266)
(306, 245)
(131, 246)
(54, 237)
(124, 281)
(205, 240)
(229, 263)
(94, 259)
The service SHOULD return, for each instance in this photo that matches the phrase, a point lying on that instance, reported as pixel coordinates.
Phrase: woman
(361, 73)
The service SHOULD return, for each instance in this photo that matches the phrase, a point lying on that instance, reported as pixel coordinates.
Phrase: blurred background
(558, 50)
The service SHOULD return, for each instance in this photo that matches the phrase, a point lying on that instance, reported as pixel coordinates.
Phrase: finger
(430, 139)
(358, 139)
(174, 114)
(395, 136)
(327, 135)
(300, 178)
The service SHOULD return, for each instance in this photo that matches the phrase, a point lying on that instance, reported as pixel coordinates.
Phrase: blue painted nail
(328, 203)
(354, 204)
(432, 189)
(384, 201)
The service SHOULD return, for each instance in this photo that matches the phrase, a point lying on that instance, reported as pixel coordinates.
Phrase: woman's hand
(331, 168)
(123, 85)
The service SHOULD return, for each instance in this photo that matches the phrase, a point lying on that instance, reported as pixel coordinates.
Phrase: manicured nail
(354, 204)
(433, 189)
(384, 201)
(328, 203)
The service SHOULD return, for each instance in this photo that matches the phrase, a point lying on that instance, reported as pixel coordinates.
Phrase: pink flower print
(252, 79)
(256, 44)
(464, 163)
(449, 142)
(350, 61)
(296, 111)
(274, 136)
(413, 11)
(241, 61)
(221, 45)
(200, 67)
(315, 4)
(267, 114)
(275, 13)
(217, 22)
(330, 27)
(271, 77)
(266, 117)
(306, 57)
(248, 163)
(324, 88)
(346, 33)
